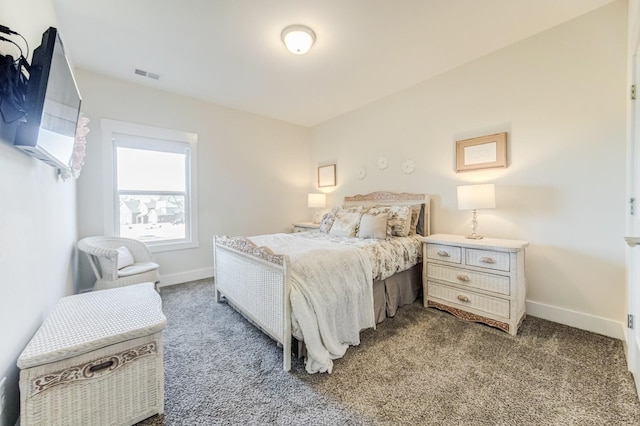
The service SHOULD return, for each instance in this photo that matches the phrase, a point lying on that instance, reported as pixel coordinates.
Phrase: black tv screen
(53, 105)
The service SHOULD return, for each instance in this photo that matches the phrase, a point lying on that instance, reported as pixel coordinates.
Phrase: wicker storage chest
(96, 360)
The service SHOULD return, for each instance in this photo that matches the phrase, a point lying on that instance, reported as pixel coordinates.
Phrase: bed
(323, 288)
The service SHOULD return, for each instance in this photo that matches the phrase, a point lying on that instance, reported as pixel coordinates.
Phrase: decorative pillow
(373, 226)
(382, 210)
(327, 220)
(420, 227)
(399, 219)
(415, 215)
(125, 258)
(356, 209)
(345, 224)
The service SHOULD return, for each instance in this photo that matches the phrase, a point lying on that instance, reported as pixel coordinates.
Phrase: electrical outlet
(3, 398)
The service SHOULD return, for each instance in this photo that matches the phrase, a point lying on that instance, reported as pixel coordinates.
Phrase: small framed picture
(485, 152)
(327, 175)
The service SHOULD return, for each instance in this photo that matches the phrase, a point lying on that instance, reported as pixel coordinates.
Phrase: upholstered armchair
(117, 261)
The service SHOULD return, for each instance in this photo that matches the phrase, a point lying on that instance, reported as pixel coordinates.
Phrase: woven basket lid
(86, 322)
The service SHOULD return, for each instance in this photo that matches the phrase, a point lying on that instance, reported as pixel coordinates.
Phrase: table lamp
(474, 197)
(317, 201)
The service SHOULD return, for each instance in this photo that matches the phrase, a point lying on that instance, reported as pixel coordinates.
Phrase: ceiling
(229, 52)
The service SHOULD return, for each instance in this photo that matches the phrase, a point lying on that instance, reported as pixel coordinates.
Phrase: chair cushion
(125, 258)
(137, 268)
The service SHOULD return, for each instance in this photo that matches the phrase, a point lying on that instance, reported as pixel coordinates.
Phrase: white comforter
(387, 257)
(331, 295)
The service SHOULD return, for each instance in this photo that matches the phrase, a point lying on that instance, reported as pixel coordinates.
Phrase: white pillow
(373, 226)
(125, 258)
(345, 224)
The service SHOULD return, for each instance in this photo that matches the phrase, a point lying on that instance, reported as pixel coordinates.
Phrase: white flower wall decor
(79, 150)
(408, 167)
(362, 173)
(383, 163)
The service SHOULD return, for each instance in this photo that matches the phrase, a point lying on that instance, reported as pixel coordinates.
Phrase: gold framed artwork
(327, 175)
(484, 152)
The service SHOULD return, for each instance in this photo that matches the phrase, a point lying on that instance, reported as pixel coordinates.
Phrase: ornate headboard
(395, 199)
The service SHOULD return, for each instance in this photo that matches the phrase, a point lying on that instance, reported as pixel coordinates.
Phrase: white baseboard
(183, 277)
(579, 320)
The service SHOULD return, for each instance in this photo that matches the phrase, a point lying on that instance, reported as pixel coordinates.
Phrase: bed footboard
(255, 281)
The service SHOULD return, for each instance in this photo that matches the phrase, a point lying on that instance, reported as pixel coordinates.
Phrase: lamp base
(474, 226)
(474, 237)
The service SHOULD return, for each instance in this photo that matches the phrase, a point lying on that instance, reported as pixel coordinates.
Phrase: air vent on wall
(150, 75)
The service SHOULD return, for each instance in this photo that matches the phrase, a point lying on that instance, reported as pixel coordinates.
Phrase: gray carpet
(422, 367)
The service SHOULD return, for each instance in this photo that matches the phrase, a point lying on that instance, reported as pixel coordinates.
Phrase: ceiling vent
(144, 73)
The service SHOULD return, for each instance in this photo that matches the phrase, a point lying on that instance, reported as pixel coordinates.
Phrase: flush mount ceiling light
(298, 39)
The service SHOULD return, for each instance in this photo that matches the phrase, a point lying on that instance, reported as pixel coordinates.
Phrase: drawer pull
(463, 298)
(463, 277)
(443, 253)
(102, 366)
(487, 260)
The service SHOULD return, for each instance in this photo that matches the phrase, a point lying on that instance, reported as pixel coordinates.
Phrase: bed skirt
(400, 289)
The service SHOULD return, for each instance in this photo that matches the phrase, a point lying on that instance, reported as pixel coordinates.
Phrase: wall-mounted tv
(52, 105)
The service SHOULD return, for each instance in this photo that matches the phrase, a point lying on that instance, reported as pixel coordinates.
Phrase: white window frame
(166, 138)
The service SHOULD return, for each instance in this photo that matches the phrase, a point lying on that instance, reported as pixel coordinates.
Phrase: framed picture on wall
(485, 152)
(327, 175)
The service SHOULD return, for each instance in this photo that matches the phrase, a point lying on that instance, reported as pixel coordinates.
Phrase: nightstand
(305, 226)
(476, 280)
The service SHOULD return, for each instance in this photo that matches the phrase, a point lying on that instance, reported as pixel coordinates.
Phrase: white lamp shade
(317, 201)
(472, 197)
(298, 39)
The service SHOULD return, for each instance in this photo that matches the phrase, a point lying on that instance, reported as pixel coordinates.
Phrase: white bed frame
(255, 281)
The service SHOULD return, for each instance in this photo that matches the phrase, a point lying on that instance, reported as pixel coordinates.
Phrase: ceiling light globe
(298, 39)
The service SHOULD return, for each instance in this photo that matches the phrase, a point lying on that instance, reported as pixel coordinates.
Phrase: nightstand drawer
(488, 259)
(469, 299)
(306, 227)
(444, 253)
(494, 283)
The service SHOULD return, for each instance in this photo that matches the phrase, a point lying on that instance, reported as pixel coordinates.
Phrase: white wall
(560, 95)
(253, 172)
(37, 223)
(634, 18)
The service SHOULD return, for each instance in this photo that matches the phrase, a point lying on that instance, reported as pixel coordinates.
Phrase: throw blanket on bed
(331, 295)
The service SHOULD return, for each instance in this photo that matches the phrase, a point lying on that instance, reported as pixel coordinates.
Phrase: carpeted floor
(422, 367)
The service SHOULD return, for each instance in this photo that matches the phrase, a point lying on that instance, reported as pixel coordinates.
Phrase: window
(152, 185)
